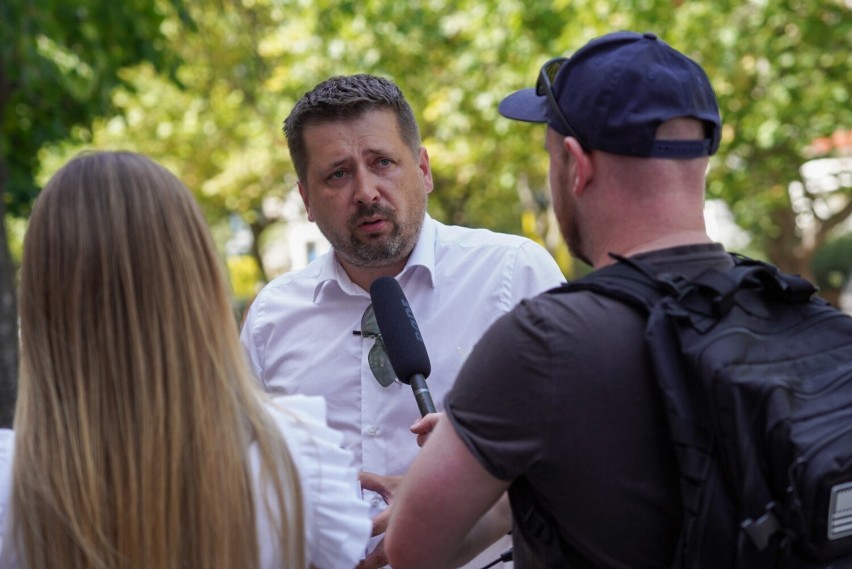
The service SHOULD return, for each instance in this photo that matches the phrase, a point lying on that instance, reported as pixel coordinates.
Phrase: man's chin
(377, 254)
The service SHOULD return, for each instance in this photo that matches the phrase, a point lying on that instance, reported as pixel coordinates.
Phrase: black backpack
(756, 376)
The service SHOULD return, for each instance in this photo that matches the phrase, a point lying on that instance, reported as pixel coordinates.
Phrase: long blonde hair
(136, 406)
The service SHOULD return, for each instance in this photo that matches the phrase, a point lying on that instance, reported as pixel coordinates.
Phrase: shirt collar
(332, 278)
(423, 254)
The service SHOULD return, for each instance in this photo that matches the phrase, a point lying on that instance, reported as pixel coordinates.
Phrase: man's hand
(424, 426)
(385, 486)
(439, 515)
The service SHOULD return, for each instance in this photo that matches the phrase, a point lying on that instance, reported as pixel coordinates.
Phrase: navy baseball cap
(615, 91)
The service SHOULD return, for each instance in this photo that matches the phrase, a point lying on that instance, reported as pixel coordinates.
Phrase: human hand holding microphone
(410, 361)
(407, 354)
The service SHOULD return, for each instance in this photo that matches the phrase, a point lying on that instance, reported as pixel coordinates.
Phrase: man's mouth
(372, 224)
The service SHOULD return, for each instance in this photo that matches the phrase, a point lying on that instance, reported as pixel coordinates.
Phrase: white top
(337, 524)
(299, 332)
(7, 448)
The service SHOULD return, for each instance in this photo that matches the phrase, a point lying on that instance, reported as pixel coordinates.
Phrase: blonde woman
(140, 438)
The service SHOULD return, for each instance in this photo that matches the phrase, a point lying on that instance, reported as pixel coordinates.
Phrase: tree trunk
(8, 303)
(786, 249)
(257, 228)
(8, 321)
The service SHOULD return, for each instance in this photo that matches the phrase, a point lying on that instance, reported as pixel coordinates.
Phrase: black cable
(505, 556)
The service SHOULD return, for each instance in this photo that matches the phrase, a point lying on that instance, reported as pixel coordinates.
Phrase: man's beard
(381, 250)
(574, 237)
(569, 225)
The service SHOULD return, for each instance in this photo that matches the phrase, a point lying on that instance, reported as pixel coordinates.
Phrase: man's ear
(305, 199)
(425, 170)
(583, 167)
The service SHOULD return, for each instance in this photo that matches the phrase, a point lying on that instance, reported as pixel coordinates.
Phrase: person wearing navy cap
(557, 403)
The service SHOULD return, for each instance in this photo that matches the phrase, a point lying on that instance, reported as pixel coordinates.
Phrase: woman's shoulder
(7, 449)
(7, 442)
(338, 522)
(302, 420)
(290, 408)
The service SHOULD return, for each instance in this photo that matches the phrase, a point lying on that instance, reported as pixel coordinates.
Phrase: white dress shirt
(337, 524)
(299, 332)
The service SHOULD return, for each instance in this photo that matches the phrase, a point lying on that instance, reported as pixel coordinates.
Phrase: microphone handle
(421, 394)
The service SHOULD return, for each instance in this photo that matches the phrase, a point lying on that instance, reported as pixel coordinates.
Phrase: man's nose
(366, 188)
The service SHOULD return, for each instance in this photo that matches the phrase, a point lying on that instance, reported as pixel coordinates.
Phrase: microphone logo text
(411, 319)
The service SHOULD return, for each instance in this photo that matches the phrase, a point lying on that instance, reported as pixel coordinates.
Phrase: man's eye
(385, 162)
(338, 174)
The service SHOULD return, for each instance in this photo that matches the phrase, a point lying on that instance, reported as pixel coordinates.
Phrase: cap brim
(524, 105)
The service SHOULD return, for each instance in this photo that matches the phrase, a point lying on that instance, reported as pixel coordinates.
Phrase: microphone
(402, 339)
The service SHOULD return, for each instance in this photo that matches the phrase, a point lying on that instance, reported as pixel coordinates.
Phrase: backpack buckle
(674, 285)
(763, 528)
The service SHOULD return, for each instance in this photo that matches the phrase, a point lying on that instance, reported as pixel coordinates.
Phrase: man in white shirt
(364, 179)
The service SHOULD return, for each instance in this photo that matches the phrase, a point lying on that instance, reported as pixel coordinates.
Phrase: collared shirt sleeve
(246, 338)
(337, 521)
(535, 271)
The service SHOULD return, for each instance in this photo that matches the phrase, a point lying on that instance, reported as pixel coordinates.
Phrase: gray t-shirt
(558, 398)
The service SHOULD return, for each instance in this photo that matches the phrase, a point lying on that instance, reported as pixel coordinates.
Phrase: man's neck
(675, 239)
(364, 276)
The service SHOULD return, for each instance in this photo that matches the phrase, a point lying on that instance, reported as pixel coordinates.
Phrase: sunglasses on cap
(544, 87)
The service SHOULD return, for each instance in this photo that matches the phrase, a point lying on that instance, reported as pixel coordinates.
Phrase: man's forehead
(361, 136)
(383, 118)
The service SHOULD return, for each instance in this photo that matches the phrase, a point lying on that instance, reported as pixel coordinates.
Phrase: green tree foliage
(250, 61)
(780, 68)
(219, 130)
(832, 264)
(58, 68)
(782, 73)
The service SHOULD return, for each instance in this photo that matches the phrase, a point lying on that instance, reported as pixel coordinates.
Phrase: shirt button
(373, 431)
(376, 501)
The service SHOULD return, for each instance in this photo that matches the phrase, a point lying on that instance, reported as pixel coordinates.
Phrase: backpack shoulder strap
(721, 286)
(627, 280)
(711, 293)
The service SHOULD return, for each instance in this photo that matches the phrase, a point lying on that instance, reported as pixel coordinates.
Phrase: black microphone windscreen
(400, 333)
